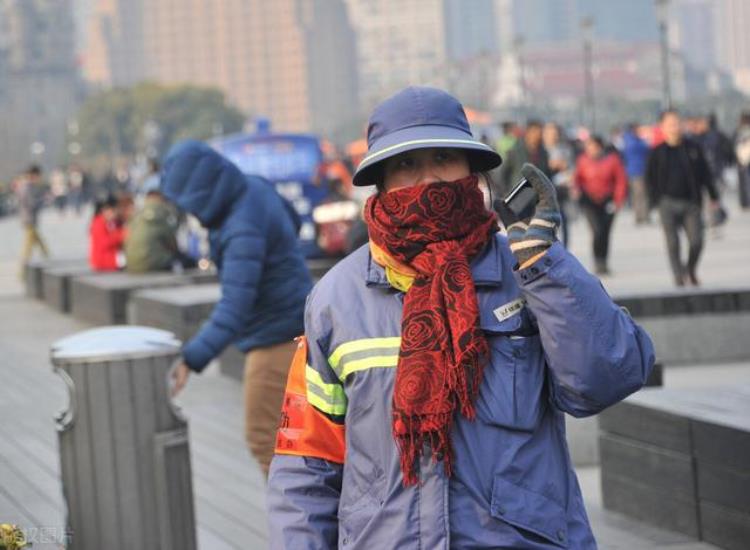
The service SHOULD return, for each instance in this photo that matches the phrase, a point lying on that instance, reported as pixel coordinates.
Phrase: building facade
(292, 61)
(38, 81)
(733, 40)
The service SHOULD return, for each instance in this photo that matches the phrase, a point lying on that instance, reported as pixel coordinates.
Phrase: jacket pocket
(529, 511)
(356, 510)
(511, 392)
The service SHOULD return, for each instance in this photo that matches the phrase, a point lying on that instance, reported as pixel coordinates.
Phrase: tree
(149, 118)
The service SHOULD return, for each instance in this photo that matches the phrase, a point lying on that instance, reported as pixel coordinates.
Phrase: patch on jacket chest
(509, 310)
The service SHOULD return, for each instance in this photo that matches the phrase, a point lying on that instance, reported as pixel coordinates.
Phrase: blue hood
(201, 181)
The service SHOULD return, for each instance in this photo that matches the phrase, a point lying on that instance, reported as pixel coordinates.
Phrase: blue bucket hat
(419, 118)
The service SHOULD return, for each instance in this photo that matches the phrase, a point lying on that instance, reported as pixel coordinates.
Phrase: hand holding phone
(519, 204)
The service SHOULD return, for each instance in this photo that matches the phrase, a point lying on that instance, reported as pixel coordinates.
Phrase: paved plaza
(227, 484)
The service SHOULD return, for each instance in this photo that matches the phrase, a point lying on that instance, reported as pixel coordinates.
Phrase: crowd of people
(664, 168)
(132, 226)
(668, 168)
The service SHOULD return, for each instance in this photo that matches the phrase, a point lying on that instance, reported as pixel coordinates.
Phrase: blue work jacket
(558, 345)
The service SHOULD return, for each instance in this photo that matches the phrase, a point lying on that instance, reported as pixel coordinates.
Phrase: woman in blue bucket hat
(425, 405)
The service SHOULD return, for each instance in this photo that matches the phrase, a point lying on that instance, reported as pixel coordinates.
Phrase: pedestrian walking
(677, 175)
(264, 280)
(561, 164)
(30, 201)
(79, 187)
(602, 188)
(58, 182)
(529, 148)
(634, 154)
(508, 137)
(106, 236)
(717, 147)
(425, 403)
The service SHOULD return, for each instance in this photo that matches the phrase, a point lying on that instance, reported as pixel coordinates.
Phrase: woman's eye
(404, 163)
(443, 156)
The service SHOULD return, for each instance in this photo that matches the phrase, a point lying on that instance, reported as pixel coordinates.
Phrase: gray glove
(528, 240)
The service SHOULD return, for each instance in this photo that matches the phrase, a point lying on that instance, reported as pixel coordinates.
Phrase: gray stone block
(182, 310)
(723, 486)
(726, 446)
(699, 337)
(56, 283)
(693, 302)
(641, 423)
(668, 471)
(725, 527)
(34, 270)
(656, 378)
(675, 511)
(102, 299)
(582, 435)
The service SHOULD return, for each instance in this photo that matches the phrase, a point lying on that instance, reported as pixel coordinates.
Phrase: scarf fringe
(411, 443)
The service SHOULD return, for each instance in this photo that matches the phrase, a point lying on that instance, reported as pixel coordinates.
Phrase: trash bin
(124, 451)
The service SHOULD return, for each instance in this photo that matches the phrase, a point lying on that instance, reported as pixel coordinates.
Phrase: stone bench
(680, 459)
(696, 326)
(34, 273)
(182, 310)
(56, 284)
(583, 433)
(102, 299)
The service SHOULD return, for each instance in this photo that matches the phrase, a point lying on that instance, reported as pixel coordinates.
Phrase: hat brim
(481, 157)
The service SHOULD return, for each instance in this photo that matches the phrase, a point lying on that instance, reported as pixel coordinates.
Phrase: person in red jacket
(602, 185)
(106, 237)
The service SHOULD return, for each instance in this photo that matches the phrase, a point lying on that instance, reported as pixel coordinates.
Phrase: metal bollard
(124, 451)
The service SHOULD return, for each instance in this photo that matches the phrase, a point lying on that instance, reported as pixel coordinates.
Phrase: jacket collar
(486, 268)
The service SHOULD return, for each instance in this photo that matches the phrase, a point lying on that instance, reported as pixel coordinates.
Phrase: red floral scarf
(434, 229)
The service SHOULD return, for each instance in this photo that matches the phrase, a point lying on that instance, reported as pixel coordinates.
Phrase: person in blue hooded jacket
(425, 404)
(264, 280)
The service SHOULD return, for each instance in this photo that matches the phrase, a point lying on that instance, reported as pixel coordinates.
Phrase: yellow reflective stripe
(323, 405)
(329, 398)
(362, 345)
(434, 141)
(377, 361)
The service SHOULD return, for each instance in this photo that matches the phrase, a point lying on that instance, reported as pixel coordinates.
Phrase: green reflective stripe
(329, 398)
(433, 141)
(364, 344)
(376, 361)
(364, 354)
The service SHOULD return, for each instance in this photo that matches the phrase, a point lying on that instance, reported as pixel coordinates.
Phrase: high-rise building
(38, 80)
(399, 43)
(694, 32)
(733, 40)
(470, 29)
(292, 61)
(618, 21)
(444, 43)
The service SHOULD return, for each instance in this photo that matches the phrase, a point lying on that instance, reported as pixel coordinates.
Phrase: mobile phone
(522, 200)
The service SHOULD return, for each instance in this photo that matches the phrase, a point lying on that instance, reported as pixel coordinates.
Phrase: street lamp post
(662, 14)
(587, 26)
(518, 43)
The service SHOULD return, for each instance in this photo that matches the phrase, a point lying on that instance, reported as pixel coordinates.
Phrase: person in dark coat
(528, 149)
(677, 175)
(264, 280)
